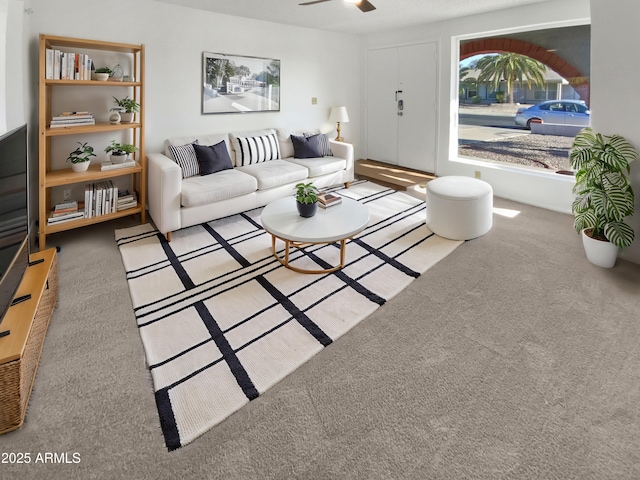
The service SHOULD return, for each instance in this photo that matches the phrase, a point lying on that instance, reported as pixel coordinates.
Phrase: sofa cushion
(205, 139)
(202, 190)
(213, 158)
(185, 156)
(306, 146)
(323, 140)
(275, 173)
(255, 147)
(321, 165)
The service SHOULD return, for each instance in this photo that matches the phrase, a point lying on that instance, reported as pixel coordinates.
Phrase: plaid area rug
(222, 320)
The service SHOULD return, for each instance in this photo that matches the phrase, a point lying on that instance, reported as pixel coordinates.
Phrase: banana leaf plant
(604, 196)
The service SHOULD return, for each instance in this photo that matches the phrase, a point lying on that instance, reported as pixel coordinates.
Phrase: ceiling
(338, 16)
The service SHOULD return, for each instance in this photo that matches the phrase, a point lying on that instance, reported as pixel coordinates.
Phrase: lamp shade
(339, 114)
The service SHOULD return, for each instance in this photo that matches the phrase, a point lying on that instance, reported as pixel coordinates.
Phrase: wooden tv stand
(20, 350)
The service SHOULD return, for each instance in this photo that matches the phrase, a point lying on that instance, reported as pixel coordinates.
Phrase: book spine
(48, 68)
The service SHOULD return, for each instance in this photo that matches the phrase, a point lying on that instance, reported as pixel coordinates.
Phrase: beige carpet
(512, 358)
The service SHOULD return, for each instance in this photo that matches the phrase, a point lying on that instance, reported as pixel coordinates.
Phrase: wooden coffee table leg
(343, 248)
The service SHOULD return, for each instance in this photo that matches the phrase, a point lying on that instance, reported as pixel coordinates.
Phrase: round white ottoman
(459, 208)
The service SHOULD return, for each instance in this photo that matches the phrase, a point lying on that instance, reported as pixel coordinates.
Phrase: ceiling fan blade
(365, 6)
(314, 2)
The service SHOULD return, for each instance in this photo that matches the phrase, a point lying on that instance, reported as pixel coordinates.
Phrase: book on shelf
(114, 166)
(70, 117)
(74, 123)
(66, 206)
(329, 199)
(67, 65)
(65, 218)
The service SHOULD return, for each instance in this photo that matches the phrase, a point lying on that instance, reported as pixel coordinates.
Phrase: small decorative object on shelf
(101, 74)
(120, 151)
(80, 158)
(127, 108)
(114, 118)
(117, 73)
(306, 199)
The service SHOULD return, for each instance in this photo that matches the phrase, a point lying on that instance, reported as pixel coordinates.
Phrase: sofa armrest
(164, 186)
(344, 150)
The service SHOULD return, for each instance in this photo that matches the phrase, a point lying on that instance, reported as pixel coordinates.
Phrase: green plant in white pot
(119, 152)
(604, 196)
(127, 108)
(80, 158)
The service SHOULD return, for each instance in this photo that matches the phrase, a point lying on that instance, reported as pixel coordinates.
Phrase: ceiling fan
(363, 5)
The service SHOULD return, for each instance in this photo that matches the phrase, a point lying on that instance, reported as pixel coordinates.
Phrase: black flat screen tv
(14, 214)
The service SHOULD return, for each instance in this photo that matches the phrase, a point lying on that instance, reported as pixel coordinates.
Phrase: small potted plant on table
(604, 196)
(128, 108)
(306, 199)
(80, 158)
(120, 151)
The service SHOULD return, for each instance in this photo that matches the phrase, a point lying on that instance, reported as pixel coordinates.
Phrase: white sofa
(176, 203)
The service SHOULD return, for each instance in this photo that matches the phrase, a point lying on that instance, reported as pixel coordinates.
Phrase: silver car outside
(562, 112)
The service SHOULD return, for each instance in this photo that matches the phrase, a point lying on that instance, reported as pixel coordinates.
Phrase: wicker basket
(16, 377)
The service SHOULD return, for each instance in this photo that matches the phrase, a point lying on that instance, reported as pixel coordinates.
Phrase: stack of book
(65, 212)
(326, 200)
(112, 166)
(127, 200)
(72, 119)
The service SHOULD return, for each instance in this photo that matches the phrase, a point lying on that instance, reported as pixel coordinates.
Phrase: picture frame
(239, 84)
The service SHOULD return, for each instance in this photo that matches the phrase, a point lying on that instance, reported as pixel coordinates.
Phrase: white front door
(401, 105)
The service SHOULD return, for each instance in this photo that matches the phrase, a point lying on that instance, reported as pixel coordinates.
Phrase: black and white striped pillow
(258, 149)
(185, 156)
(324, 143)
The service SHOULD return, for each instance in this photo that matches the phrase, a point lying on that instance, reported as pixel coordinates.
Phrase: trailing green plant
(306, 193)
(127, 104)
(104, 70)
(120, 148)
(604, 196)
(81, 154)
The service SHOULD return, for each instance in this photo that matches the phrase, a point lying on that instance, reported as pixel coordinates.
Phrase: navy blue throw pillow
(213, 158)
(306, 147)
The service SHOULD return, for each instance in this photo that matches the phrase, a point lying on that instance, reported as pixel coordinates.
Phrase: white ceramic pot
(114, 118)
(101, 77)
(599, 252)
(127, 117)
(80, 166)
(118, 158)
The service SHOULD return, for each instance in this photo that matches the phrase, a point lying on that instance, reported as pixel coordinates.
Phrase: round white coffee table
(337, 223)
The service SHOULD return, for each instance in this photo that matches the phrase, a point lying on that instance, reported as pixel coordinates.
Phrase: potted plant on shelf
(128, 108)
(120, 151)
(80, 158)
(306, 199)
(101, 74)
(604, 196)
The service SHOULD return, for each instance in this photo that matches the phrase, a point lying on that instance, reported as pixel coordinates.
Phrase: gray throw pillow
(213, 158)
(306, 147)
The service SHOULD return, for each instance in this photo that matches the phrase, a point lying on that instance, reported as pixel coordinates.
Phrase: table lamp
(339, 114)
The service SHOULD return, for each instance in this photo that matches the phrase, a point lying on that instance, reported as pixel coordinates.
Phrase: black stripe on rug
(229, 355)
(301, 317)
(354, 284)
(175, 263)
(232, 251)
(167, 420)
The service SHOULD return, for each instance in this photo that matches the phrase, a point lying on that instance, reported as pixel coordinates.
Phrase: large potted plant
(604, 196)
(127, 108)
(306, 199)
(80, 158)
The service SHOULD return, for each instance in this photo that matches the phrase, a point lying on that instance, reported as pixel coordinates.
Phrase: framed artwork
(237, 84)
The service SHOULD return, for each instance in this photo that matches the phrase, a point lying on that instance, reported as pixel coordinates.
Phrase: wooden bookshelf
(50, 177)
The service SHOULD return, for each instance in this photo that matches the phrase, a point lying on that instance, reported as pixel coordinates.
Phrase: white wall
(12, 65)
(313, 63)
(614, 68)
(543, 189)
